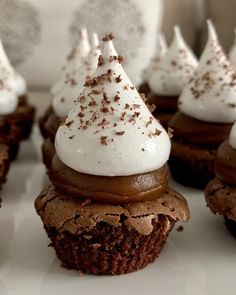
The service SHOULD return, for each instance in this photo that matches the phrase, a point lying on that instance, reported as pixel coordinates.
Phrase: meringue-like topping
(80, 51)
(110, 131)
(232, 52)
(64, 99)
(232, 136)
(7, 74)
(210, 96)
(8, 100)
(153, 64)
(175, 69)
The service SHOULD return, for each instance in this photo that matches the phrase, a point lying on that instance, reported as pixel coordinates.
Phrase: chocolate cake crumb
(180, 228)
(103, 140)
(108, 37)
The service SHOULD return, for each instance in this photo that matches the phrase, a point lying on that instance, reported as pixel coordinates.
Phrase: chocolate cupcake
(207, 110)
(82, 64)
(109, 209)
(153, 65)
(167, 79)
(221, 191)
(4, 162)
(24, 113)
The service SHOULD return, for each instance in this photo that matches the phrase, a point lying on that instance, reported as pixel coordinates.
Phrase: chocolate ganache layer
(225, 163)
(196, 132)
(110, 190)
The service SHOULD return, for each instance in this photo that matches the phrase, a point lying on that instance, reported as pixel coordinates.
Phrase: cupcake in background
(16, 114)
(153, 64)
(168, 78)
(232, 53)
(207, 111)
(109, 209)
(221, 191)
(67, 93)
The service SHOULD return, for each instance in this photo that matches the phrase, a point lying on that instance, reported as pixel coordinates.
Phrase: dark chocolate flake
(103, 140)
(120, 132)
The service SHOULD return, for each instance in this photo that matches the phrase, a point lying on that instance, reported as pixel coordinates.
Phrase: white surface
(200, 260)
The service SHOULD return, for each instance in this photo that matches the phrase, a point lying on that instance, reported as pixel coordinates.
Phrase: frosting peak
(78, 52)
(153, 64)
(110, 131)
(232, 136)
(174, 69)
(211, 94)
(7, 74)
(73, 85)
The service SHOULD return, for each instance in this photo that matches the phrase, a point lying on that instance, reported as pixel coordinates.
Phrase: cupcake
(167, 80)
(4, 163)
(24, 113)
(207, 110)
(221, 191)
(78, 52)
(153, 65)
(65, 97)
(109, 208)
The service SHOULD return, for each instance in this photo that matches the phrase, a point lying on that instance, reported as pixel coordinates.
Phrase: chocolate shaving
(103, 140)
(104, 122)
(62, 99)
(150, 121)
(80, 114)
(151, 107)
(170, 132)
(108, 37)
(100, 61)
(72, 136)
(118, 79)
(68, 123)
(117, 97)
(120, 132)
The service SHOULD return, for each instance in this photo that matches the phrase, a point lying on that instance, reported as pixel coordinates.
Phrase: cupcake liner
(109, 250)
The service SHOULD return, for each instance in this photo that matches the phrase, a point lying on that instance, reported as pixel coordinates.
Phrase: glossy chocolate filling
(164, 104)
(196, 132)
(52, 124)
(225, 163)
(109, 190)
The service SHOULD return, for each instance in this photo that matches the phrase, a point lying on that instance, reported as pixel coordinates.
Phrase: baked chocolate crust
(195, 132)
(76, 215)
(225, 163)
(111, 190)
(191, 165)
(221, 198)
(4, 162)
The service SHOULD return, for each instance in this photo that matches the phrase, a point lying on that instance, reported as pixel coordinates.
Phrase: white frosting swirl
(63, 100)
(232, 53)
(80, 51)
(7, 74)
(211, 94)
(154, 62)
(8, 100)
(175, 69)
(110, 131)
(232, 136)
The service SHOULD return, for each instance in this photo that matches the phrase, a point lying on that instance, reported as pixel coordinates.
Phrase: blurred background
(37, 35)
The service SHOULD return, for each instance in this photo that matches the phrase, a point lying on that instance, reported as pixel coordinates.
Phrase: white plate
(199, 260)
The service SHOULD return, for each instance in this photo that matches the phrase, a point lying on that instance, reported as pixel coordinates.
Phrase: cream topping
(232, 53)
(154, 63)
(211, 94)
(110, 131)
(7, 74)
(8, 100)
(175, 69)
(78, 52)
(232, 136)
(64, 99)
